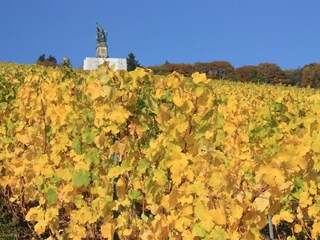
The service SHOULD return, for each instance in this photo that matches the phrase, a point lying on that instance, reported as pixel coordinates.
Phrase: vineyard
(133, 155)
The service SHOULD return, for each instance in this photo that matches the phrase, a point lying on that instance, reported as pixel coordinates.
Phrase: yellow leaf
(84, 215)
(107, 230)
(24, 138)
(187, 234)
(297, 228)
(313, 188)
(262, 201)
(313, 211)
(286, 216)
(177, 100)
(182, 223)
(113, 128)
(217, 178)
(170, 201)
(106, 91)
(119, 114)
(271, 176)
(182, 127)
(305, 199)
(186, 199)
(236, 211)
(35, 214)
(315, 232)
(76, 232)
(198, 91)
(94, 90)
(208, 134)
(51, 213)
(127, 232)
(199, 77)
(159, 93)
(160, 177)
(116, 171)
(218, 216)
(40, 227)
(207, 224)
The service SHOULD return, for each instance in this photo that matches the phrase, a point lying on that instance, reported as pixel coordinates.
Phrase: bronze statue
(101, 34)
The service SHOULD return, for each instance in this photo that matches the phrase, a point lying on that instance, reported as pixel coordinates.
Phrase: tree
(247, 73)
(311, 75)
(271, 73)
(51, 61)
(132, 63)
(42, 58)
(294, 76)
(216, 70)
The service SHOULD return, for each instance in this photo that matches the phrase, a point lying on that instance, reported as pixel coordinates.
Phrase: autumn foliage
(94, 155)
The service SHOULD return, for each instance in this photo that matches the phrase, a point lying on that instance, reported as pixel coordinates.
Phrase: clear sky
(243, 32)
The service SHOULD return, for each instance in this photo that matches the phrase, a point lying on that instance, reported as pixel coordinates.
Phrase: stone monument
(92, 63)
(102, 48)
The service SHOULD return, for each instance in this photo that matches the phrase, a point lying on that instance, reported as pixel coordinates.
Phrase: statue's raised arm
(101, 34)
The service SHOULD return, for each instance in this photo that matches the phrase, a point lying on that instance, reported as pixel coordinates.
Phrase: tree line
(269, 73)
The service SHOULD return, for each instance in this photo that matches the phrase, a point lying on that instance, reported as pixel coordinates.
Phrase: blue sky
(247, 32)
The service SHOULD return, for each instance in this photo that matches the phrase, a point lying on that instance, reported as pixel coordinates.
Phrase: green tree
(50, 61)
(132, 63)
(42, 58)
(294, 76)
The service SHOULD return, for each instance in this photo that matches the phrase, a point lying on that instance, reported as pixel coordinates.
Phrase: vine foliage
(102, 153)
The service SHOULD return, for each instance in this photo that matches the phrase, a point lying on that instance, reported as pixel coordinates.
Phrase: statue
(101, 35)
(102, 48)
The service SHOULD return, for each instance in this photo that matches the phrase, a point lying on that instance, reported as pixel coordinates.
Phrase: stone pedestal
(91, 63)
(102, 50)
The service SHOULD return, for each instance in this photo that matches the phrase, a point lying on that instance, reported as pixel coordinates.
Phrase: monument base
(102, 50)
(92, 63)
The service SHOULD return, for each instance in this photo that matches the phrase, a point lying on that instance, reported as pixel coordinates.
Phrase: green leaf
(92, 155)
(81, 178)
(198, 231)
(208, 115)
(10, 125)
(160, 177)
(88, 135)
(218, 234)
(143, 165)
(262, 132)
(219, 121)
(275, 106)
(48, 130)
(55, 179)
(76, 145)
(89, 114)
(52, 196)
(144, 217)
(291, 238)
(79, 201)
(135, 195)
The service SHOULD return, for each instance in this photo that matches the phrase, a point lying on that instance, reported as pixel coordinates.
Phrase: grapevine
(103, 153)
